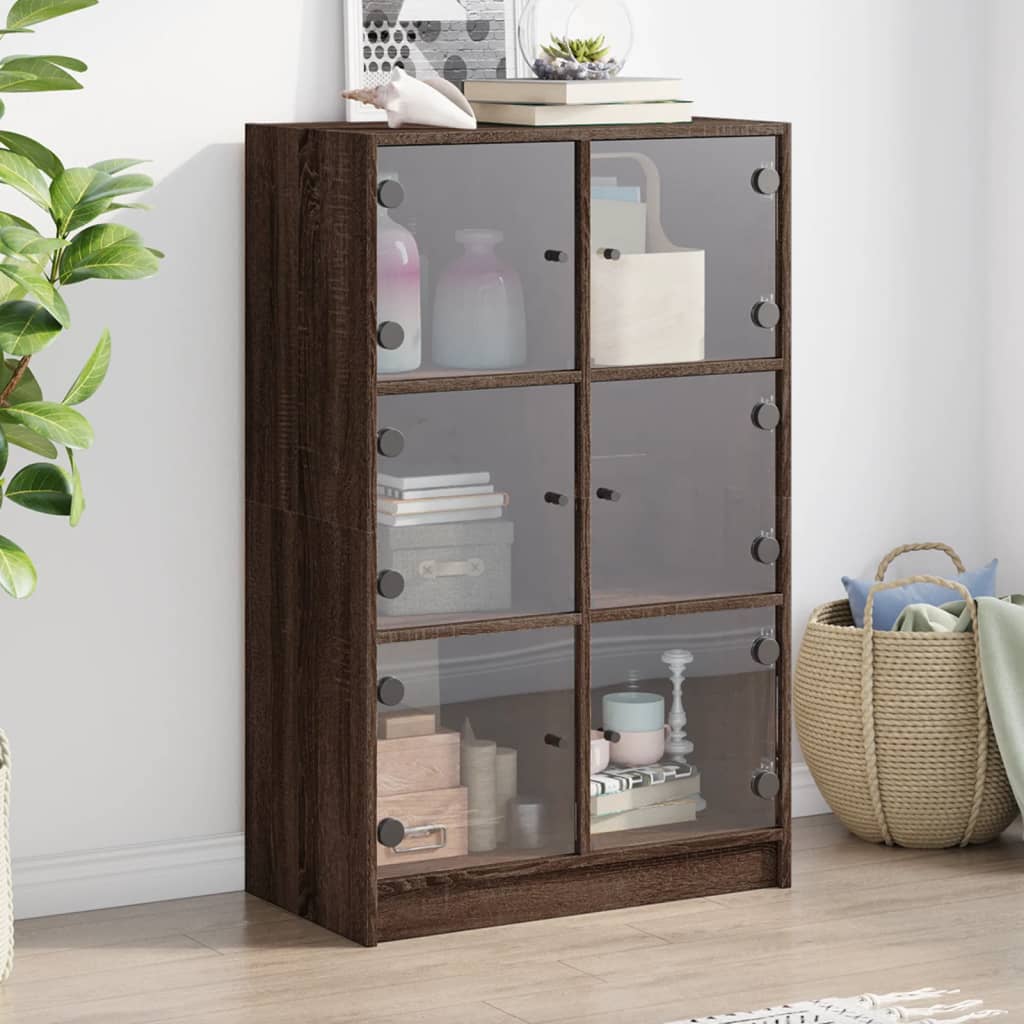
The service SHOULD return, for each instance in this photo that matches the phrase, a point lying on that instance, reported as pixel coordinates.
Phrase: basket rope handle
(868, 695)
(906, 548)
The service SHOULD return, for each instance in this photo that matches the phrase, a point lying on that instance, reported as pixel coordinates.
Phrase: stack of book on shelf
(437, 498)
(628, 798)
(538, 103)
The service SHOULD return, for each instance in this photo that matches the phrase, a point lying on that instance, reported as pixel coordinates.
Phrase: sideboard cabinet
(517, 520)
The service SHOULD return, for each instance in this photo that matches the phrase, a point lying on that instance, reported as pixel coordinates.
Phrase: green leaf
(110, 186)
(8, 220)
(53, 420)
(92, 376)
(17, 573)
(77, 494)
(108, 251)
(29, 440)
(22, 174)
(16, 241)
(28, 389)
(32, 12)
(48, 162)
(42, 487)
(117, 165)
(46, 76)
(11, 81)
(71, 63)
(30, 278)
(5, 450)
(68, 190)
(26, 328)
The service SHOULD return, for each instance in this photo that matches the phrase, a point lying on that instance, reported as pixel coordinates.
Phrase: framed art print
(453, 39)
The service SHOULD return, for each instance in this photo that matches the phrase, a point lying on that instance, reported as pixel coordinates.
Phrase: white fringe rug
(866, 1009)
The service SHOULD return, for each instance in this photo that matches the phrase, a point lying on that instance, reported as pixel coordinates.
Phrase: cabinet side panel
(309, 571)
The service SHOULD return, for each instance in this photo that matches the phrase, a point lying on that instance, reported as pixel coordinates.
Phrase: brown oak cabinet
(517, 502)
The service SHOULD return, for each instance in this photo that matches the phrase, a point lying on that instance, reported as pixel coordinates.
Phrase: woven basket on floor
(6, 887)
(895, 728)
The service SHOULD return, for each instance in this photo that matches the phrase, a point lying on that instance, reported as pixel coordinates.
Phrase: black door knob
(554, 498)
(766, 314)
(552, 740)
(390, 194)
(390, 443)
(390, 832)
(390, 691)
(766, 785)
(556, 256)
(390, 584)
(765, 650)
(612, 736)
(766, 415)
(607, 494)
(611, 254)
(766, 181)
(766, 550)
(390, 335)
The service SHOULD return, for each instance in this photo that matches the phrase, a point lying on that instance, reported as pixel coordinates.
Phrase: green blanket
(1001, 639)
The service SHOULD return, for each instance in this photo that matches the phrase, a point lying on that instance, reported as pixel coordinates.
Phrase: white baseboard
(807, 799)
(95, 879)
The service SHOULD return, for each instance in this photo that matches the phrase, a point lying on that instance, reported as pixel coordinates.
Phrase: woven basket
(6, 886)
(895, 726)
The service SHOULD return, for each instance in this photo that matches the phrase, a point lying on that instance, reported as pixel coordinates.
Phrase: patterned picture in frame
(453, 39)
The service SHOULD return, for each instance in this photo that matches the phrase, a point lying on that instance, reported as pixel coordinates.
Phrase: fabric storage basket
(6, 885)
(895, 727)
(448, 567)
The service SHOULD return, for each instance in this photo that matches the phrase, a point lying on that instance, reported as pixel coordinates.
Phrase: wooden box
(416, 764)
(443, 817)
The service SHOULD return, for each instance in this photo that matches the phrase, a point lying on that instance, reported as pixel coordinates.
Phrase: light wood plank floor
(859, 918)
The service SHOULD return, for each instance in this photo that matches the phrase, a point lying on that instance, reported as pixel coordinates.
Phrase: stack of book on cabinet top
(628, 798)
(437, 498)
(538, 102)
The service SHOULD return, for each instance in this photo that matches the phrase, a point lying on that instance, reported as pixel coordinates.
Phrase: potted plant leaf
(68, 241)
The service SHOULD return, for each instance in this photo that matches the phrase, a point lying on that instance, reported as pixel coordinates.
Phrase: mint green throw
(1001, 640)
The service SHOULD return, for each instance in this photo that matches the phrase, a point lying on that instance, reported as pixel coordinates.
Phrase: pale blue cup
(633, 712)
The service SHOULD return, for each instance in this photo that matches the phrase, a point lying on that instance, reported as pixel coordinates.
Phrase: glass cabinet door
(683, 235)
(683, 472)
(475, 750)
(475, 505)
(475, 268)
(685, 727)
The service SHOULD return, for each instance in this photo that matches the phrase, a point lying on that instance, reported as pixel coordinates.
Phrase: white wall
(122, 680)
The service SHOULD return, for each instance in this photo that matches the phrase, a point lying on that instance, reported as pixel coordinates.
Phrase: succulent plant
(582, 51)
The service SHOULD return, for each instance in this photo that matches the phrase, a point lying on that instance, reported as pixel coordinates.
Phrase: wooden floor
(860, 918)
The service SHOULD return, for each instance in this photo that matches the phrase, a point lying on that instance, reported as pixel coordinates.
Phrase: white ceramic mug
(600, 752)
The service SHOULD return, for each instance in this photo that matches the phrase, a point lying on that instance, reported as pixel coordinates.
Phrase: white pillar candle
(507, 775)
(479, 776)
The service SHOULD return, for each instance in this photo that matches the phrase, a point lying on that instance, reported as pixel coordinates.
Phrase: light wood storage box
(445, 812)
(417, 763)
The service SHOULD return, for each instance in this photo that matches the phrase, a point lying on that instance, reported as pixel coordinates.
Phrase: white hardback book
(427, 518)
(435, 492)
(409, 483)
(408, 507)
(672, 813)
(536, 115)
(545, 91)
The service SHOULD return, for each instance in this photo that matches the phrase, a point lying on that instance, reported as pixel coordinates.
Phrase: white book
(546, 91)
(403, 508)
(409, 483)
(434, 492)
(672, 813)
(427, 518)
(535, 115)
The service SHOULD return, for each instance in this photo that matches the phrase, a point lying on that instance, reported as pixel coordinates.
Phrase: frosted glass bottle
(479, 313)
(398, 293)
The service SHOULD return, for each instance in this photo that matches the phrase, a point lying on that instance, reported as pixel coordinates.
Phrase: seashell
(433, 101)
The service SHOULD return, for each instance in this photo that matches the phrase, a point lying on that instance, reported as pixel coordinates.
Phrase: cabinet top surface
(413, 135)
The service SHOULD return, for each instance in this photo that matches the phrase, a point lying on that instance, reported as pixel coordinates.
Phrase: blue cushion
(889, 603)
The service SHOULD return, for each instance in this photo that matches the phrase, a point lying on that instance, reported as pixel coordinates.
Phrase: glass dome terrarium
(576, 39)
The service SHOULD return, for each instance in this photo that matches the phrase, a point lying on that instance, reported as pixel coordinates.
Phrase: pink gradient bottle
(479, 313)
(398, 293)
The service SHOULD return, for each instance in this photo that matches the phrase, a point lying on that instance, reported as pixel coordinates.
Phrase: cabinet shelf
(396, 711)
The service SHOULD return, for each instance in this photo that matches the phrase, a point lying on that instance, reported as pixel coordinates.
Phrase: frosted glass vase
(479, 313)
(398, 293)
